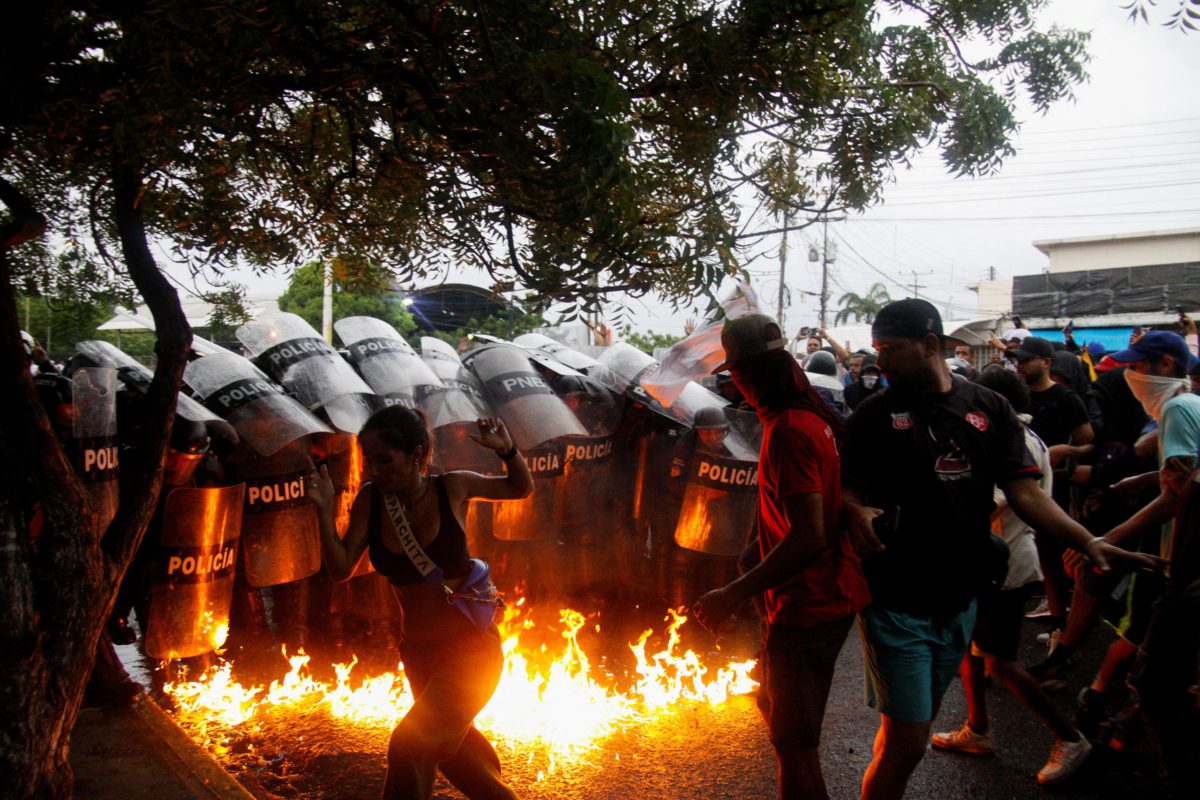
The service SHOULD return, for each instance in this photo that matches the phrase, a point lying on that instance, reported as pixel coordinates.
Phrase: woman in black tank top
(452, 666)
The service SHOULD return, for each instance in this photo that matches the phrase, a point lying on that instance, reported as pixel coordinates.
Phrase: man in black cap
(1060, 420)
(808, 574)
(920, 461)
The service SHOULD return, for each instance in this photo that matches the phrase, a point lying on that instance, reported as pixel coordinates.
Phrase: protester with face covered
(412, 523)
(1157, 375)
(808, 574)
(868, 383)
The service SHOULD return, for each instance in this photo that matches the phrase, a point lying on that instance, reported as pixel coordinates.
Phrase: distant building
(1106, 285)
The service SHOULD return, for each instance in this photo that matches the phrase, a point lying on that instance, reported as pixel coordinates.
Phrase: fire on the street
(553, 702)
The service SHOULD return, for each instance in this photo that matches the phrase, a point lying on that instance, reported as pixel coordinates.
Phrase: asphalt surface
(693, 753)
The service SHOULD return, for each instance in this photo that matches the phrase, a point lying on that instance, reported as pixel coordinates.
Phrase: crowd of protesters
(900, 489)
(933, 506)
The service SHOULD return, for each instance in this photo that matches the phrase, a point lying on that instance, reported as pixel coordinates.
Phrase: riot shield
(137, 376)
(567, 355)
(94, 426)
(522, 397)
(587, 461)
(281, 540)
(288, 349)
(192, 571)
(387, 363)
(237, 391)
(453, 409)
(533, 518)
(587, 524)
(344, 460)
(626, 366)
(720, 500)
(462, 399)
(833, 390)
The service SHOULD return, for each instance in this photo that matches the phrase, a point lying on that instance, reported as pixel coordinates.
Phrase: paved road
(704, 753)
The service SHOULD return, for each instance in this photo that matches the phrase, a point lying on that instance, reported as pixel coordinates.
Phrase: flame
(552, 702)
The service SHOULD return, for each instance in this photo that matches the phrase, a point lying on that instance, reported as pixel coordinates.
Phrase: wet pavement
(700, 752)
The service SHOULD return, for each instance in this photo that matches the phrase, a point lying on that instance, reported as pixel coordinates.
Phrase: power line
(1041, 217)
(1127, 187)
(1151, 123)
(1147, 165)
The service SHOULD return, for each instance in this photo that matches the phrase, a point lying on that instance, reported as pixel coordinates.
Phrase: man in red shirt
(810, 577)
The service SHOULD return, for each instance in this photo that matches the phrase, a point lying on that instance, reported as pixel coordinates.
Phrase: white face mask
(1153, 391)
(869, 381)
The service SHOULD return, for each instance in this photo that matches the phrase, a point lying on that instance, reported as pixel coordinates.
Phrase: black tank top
(448, 549)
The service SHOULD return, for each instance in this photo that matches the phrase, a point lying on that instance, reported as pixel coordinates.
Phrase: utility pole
(826, 256)
(327, 301)
(916, 287)
(825, 259)
(783, 251)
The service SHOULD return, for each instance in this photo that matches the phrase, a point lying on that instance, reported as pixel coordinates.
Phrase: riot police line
(635, 501)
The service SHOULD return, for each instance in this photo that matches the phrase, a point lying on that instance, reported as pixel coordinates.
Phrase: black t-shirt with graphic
(931, 463)
(1056, 412)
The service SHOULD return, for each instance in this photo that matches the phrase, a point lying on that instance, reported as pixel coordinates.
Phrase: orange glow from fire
(552, 701)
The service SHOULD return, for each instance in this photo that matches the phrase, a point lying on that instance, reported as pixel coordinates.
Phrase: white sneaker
(1065, 758)
(964, 740)
(1042, 610)
(1050, 638)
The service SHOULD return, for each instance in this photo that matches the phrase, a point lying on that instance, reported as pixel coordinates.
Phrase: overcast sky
(1123, 157)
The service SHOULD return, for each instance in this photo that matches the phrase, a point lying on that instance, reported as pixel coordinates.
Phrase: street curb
(190, 762)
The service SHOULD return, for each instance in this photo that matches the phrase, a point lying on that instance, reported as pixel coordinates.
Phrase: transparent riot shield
(720, 500)
(832, 389)
(522, 397)
(462, 397)
(566, 355)
(344, 460)
(452, 408)
(281, 539)
(387, 363)
(588, 531)
(192, 571)
(136, 376)
(288, 349)
(626, 366)
(587, 460)
(265, 418)
(94, 426)
(534, 518)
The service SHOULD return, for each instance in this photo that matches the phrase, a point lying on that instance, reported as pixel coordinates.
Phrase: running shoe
(1065, 760)
(1040, 611)
(965, 740)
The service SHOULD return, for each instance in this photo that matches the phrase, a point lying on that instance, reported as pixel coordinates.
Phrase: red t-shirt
(799, 456)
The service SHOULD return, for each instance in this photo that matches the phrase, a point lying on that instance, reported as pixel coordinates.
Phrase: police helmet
(821, 362)
(711, 418)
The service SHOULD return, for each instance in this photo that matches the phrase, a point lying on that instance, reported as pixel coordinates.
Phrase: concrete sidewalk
(139, 752)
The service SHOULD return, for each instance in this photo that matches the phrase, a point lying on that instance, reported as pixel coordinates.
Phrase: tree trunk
(58, 575)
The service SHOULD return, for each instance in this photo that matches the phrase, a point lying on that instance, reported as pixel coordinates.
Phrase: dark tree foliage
(574, 147)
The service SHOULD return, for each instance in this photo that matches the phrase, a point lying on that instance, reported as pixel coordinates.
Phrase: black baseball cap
(749, 335)
(911, 318)
(1032, 347)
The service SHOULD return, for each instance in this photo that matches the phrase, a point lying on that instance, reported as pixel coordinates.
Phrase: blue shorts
(910, 660)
